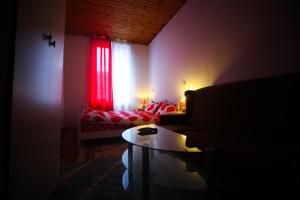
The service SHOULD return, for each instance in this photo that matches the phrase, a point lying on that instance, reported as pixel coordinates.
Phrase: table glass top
(164, 139)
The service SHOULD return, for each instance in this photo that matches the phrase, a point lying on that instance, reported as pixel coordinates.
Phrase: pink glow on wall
(212, 42)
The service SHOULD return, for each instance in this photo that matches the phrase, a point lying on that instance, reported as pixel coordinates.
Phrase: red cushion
(166, 108)
(153, 107)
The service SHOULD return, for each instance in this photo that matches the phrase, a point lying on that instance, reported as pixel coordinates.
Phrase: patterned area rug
(96, 175)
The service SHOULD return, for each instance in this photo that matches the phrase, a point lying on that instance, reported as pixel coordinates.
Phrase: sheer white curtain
(123, 76)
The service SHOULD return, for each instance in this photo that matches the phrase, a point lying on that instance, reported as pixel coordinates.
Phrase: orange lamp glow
(183, 104)
(144, 104)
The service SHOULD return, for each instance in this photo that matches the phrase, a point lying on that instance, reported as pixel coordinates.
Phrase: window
(100, 88)
(123, 78)
(111, 76)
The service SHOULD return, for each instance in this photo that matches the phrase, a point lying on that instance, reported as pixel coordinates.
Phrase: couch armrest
(173, 118)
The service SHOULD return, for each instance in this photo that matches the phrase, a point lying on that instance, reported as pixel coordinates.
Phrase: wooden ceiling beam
(137, 21)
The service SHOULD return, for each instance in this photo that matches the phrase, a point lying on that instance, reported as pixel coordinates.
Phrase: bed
(102, 124)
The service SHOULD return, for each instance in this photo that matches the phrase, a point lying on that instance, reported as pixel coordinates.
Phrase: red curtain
(100, 88)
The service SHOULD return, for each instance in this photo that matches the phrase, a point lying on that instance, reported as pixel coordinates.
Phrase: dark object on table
(147, 131)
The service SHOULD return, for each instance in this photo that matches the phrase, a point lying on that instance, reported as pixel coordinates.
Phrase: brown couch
(252, 126)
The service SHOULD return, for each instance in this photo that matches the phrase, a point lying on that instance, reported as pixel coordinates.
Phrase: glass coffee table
(160, 166)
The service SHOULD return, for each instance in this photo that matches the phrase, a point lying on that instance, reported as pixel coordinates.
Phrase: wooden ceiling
(137, 21)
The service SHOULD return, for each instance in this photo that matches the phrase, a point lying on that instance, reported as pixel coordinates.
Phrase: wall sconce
(49, 38)
(184, 85)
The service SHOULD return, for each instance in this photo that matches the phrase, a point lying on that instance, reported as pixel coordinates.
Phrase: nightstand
(175, 113)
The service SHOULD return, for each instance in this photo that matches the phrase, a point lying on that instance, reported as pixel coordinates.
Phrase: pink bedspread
(98, 120)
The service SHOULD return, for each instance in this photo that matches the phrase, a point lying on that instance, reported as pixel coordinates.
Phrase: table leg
(145, 158)
(130, 169)
(209, 162)
(130, 157)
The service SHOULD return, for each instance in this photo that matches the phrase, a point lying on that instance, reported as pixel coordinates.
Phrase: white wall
(76, 62)
(140, 54)
(37, 100)
(212, 42)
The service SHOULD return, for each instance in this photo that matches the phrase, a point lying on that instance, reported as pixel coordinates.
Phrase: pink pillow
(166, 108)
(152, 107)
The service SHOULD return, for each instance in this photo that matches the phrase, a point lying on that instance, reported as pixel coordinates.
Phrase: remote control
(148, 131)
